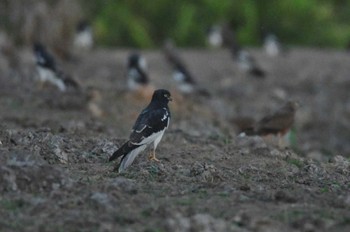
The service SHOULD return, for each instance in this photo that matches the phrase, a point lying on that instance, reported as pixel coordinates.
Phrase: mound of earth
(54, 150)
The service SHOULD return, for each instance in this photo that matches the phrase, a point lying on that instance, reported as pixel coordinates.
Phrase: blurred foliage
(146, 24)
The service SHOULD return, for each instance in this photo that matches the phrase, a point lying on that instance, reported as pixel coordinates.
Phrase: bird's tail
(123, 150)
(68, 81)
(129, 157)
(71, 82)
(257, 72)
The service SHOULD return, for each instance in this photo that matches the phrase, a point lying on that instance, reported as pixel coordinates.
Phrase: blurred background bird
(181, 74)
(138, 82)
(136, 71)
(83, 38)
(247, 63)
(272, 45)
(214, 36)
(276, 124)
(48, 72)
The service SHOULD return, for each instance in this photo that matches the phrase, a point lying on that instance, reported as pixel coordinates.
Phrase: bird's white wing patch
(151, 138)
(165, 116)
(144, 127)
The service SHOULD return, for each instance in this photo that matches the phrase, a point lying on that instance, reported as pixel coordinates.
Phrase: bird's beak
(169, 98)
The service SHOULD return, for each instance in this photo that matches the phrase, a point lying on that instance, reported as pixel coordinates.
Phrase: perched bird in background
(83, 39)
(247, 63)
(136, 72)
(214, 36)
(149, 128)
(244, 59)
(181, 74)
(48, 72)
(271, 45)
(279, 122)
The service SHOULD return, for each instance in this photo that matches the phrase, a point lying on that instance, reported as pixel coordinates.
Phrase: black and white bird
(244, 59)
(272, 45)
(149, 128)
(83, 39)
(48, 72)
(184, 79)
(247, 63)
(181, 74)
(136, 71)
(214, 36)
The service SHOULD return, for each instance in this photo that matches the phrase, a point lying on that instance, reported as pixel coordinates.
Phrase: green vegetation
(297, 162)
(11, 205)
(146, 24)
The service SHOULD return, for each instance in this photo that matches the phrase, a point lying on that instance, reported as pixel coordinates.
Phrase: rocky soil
(54, 150)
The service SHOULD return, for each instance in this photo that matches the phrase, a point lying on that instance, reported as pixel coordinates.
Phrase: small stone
(244, 187)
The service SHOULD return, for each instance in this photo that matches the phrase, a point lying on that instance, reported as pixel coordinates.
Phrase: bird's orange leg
(281, 142)
(152, 156)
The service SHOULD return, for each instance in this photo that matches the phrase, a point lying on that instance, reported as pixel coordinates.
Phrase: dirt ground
(55, 176)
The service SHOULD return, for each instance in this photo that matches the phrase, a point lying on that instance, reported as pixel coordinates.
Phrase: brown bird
(278, 123)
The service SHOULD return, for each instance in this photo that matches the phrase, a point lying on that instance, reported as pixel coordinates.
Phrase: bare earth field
(54, 174)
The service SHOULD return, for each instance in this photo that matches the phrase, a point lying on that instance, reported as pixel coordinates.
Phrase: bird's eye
(166, 95)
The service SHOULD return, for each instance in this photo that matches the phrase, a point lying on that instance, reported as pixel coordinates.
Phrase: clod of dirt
(347, 200)
(205, 222)
(56, 146)
(178, 223)
(251, 142)
(244, 187)
(242, 219)
(105, 148)
(341, 164)
(284, 197)
(308, 224)
(24, 174)
(102, 199)
(123, 184)
(205, 172)
(198, 222)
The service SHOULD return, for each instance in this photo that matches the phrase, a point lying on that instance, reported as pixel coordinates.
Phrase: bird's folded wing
(45, 60)
(275, 123)
(149, 122)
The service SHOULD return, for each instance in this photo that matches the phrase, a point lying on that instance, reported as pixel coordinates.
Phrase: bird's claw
(152, 156)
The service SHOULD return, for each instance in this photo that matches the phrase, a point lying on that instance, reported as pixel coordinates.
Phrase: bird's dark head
(82, 26)
(135, 60)
(161, 95)
(38, 47)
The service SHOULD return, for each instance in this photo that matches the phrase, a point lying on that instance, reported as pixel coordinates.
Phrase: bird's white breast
(84, 39)
(47, 75)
